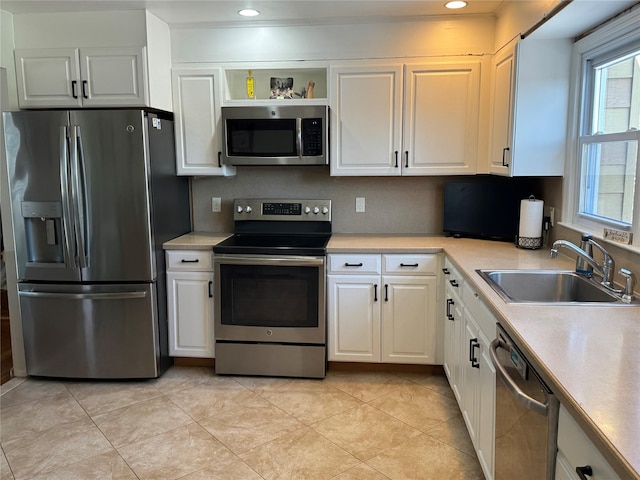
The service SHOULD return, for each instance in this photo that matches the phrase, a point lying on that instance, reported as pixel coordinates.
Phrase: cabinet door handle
(449, 314)
(396, 154)
(386, 292)
(220, 159)
(473, 344)
(210, 289)
(584, 472)
(504, 151)
(454, 283)
(406, 159)
(353, 264)
(375, 292)
(74, 88)
(408, 264)
(85, 84)
(446, 271)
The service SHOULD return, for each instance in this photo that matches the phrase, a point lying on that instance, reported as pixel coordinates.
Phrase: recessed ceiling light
(248, 12)
(455, 4)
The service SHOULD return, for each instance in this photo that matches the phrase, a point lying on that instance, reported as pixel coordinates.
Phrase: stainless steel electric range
(270, 316)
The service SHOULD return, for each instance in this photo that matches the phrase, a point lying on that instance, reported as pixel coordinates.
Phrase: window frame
(613, 38)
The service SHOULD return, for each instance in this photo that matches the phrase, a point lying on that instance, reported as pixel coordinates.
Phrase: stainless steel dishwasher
(526, 416)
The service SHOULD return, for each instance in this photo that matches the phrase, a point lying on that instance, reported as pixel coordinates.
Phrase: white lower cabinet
(576, 453)
(190, 303)
(382, 308)
(468, 329)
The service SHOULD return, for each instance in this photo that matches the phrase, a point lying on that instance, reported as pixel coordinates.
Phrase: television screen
(487, 208)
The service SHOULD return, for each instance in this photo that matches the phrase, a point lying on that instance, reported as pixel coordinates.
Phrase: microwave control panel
(311, 137)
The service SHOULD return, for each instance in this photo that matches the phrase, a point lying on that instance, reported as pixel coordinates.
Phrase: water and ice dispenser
(43, 232)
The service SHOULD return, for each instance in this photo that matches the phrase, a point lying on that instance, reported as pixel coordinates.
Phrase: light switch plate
(359, 204)
(216, 204)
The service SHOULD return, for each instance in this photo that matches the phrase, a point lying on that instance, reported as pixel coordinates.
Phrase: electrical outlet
(216, 204)
(552, 216)
(359, 204)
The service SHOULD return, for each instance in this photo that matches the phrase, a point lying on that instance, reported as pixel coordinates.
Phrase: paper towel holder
(531, 243)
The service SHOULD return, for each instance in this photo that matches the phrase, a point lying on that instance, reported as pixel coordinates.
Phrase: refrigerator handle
(78, 195)
(67, 224)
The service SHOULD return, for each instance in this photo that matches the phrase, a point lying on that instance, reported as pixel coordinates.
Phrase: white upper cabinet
(197, 107)
(529, 108)
(91, 77)
(441, 109)
(399, 119)
(48, 77)
(366, 114)
(75, 60)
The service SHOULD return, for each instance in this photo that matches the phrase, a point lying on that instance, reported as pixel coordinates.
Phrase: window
(606, 190)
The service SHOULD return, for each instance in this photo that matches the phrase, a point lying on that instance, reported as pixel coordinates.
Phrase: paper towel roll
(530, 218)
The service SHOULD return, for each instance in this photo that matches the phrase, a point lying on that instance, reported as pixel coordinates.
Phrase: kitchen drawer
(192, 260)
(417, 264)
(479, 311)
(452, 277)
(576, 450)
(354, 263)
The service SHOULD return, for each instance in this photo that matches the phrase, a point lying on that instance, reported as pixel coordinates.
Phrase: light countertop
(588, 355)
(195, 241)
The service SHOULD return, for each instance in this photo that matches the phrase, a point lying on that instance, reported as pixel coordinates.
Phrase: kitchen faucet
(585, 261)
(585, 264)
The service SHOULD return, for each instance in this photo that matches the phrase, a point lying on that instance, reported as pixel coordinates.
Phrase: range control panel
(282, 209)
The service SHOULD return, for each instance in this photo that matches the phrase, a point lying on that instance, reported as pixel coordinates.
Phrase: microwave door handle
(299, 136)
(67, 223)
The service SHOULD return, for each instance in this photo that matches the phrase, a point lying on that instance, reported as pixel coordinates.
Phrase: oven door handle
(523, 398)
(290, 260)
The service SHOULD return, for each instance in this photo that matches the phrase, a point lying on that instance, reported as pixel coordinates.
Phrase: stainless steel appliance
(526, 416)
(94, 195)
(270, 316)
(275, 135)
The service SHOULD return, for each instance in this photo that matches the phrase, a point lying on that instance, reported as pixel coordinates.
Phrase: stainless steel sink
(548, 286)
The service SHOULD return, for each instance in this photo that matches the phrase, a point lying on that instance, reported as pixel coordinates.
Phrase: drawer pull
(454, 283)
(473, 344)
(449, 314)
(353, 264)
(584, 472)
(409, 265)
(184, 260)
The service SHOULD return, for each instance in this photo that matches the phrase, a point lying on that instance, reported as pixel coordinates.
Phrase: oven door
(261, 298)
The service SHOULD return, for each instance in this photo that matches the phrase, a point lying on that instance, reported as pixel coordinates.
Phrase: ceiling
(224, 12)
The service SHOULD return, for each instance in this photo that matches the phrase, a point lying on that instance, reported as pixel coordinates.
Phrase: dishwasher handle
(523, 398)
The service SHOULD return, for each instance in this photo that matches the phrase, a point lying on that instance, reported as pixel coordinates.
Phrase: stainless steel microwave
(275, 135)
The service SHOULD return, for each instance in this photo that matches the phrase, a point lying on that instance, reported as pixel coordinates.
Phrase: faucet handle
(630, 284)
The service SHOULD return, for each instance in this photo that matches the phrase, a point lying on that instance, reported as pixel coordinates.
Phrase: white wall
(442, 36)
(517, 17)
(80, 29)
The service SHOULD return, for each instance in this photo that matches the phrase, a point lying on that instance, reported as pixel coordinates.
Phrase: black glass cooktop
(274, 244)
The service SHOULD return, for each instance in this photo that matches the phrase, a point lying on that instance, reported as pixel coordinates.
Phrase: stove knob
(240, 209)
(325, 210)
(248, 209)
(307, 210)
(316, 210)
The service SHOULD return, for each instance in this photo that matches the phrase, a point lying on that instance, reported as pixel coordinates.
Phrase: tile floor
(191, 424)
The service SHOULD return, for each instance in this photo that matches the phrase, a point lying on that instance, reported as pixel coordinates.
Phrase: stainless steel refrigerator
(94, 195)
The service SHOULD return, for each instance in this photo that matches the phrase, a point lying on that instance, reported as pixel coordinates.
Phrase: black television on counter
(485, 207)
